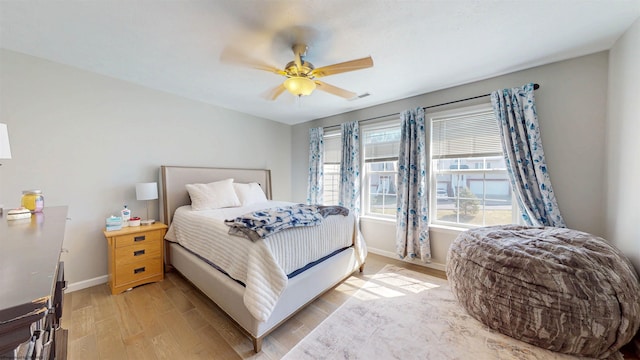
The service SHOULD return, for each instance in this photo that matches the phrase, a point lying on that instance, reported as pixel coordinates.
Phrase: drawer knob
(138, 270)
(138, 238)
(138, 253)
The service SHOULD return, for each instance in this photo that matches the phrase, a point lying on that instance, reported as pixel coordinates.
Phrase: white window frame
(433, 183)
(365, 190)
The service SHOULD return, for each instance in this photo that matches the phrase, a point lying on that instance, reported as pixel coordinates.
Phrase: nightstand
(135, 256)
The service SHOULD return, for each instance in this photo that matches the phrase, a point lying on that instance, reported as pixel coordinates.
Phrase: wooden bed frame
(225, 292)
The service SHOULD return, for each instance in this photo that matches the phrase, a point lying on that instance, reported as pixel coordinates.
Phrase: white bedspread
(262, 265)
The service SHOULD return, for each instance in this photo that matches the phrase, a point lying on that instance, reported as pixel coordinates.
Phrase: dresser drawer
(139, 238)
(138, 252)
(130, 273)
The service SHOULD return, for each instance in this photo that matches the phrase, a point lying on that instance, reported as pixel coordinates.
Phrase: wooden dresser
(32, 283)
(135, 256)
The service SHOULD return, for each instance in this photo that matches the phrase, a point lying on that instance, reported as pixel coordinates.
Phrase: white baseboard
(391, 255)
(86, 283)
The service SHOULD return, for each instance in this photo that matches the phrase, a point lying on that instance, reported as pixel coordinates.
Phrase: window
(331, 167)
(381, 146)
(469, 181)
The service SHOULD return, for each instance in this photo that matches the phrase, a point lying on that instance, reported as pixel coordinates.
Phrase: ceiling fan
(301, 75)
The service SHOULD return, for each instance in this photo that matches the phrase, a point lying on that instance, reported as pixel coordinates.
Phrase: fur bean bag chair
(559, 289)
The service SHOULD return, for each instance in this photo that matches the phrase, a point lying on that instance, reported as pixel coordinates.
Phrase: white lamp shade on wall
(147, 191)
(5, 149)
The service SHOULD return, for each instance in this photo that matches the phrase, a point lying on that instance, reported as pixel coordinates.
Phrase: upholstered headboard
(173, 179)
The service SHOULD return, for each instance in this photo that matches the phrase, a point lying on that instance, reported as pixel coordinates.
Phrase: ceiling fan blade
(343, 67)
(234, 56)
(334, 90)
(274, 93)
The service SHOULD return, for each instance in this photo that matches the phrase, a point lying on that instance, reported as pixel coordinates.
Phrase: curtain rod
(535, 87)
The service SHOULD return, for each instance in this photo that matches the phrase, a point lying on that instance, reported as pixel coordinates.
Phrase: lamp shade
(5, 149)
(299, 86)
(147, 191)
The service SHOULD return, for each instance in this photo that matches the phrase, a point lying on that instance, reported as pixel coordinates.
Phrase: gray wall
(86, 139)
(623, 148)
(571, 107)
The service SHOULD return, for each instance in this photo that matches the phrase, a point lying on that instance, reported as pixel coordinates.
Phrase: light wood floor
(171, 319)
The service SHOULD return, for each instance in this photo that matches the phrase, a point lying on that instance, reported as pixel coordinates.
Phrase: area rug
(403, 314)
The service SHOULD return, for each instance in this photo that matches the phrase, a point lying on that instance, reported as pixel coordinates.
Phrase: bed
(281, 298)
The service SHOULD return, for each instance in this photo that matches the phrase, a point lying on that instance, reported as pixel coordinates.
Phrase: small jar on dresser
(135, 256)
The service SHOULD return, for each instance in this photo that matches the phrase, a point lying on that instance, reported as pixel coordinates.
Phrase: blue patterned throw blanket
(262, 223)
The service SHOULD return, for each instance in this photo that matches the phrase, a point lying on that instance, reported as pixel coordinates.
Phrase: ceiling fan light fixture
(299, 86)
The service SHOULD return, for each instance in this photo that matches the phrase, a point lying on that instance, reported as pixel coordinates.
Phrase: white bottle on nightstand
(126, 215)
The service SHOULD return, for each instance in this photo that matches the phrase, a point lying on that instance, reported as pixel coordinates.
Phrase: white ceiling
(417, 46)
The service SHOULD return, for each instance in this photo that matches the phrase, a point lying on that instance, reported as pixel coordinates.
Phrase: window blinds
(381, 144)
(469, 135)
(332, 148)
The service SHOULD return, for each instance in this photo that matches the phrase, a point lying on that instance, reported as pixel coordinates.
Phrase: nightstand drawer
(138, 252)
(139, 238)
(130, 273)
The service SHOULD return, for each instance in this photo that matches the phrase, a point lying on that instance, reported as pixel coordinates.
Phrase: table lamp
(147, 191)
(5, 149)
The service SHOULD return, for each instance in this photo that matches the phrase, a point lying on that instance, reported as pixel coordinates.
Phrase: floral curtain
(349, 195)
(515, 110)
(316, 162)
(412, 232)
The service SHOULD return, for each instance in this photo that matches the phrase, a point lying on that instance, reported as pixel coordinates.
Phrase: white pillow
(215, 195)
(250, 193)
